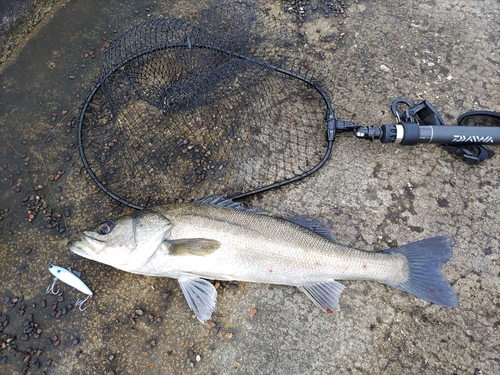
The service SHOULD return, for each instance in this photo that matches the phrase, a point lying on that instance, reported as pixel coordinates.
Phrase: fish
(72, 279)
(218, 239)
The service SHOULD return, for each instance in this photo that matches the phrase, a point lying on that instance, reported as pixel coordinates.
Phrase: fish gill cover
(230, 100)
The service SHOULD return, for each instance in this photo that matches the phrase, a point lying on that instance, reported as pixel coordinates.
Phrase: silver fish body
(216, 239)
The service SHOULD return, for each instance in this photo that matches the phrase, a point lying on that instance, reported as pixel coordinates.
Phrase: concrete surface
(372, 195)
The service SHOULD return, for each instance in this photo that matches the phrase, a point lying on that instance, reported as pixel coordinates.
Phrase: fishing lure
(72, 279)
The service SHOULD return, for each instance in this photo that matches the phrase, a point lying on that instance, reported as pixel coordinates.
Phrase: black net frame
(224, 102)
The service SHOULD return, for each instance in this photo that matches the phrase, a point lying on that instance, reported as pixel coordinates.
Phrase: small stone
(75, 341)
(24, 337)
(44, 303)
(229, 335)
(111, 357)
(57, 343)
(139, 312)
(253, 312)
(198, 358)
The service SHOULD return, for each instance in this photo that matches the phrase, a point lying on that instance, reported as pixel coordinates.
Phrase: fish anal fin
(313, 225)
(200, 295)
(192, 246)
(325, 295)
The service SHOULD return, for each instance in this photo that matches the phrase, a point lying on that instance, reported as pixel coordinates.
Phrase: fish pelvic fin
(200, 295)
(325, 295)
(425, 258)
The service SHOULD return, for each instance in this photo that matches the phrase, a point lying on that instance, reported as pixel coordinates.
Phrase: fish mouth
(81, 247)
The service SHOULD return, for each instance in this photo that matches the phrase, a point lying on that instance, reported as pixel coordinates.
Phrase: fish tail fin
(425, 259)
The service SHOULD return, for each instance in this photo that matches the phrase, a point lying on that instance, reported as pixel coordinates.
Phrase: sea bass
(219, 239)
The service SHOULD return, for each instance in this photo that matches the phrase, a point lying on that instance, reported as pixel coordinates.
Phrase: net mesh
(226, 101)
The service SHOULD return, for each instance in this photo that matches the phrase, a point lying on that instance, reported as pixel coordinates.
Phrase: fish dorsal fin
(313, 225)
(222, 201)
(192, 246)
(200, 296)
(325, 295)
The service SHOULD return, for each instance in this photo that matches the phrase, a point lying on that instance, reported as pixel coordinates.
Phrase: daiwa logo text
(472, 139)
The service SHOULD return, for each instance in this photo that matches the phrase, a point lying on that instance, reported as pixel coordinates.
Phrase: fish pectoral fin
(325, 295)
(200, 296)
(192, 246)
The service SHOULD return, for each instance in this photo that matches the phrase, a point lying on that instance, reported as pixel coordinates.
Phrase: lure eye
(106, 227)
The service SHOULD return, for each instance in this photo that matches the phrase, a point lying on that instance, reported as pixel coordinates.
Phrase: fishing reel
(421, 123)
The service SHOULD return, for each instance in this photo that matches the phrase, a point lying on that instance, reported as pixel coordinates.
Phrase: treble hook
(80, 302)
(50, 288)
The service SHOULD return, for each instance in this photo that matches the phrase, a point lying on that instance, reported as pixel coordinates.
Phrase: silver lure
(69, 277)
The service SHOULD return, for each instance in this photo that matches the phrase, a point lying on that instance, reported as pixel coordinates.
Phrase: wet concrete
(372, 195)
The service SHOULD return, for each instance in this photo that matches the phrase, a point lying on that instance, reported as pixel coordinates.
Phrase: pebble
(44, 303)
(76, 341)
(253, 312)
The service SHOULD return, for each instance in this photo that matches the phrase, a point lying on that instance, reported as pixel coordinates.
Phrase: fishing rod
(421, 123)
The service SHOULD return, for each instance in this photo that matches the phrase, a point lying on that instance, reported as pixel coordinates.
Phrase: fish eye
(106, 227)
